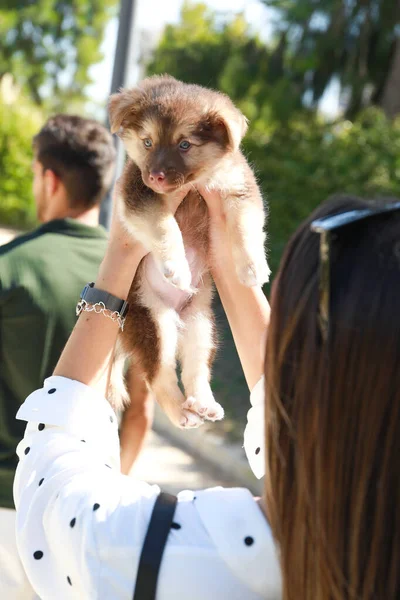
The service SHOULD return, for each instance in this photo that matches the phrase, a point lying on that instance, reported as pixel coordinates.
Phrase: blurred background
(318, 79)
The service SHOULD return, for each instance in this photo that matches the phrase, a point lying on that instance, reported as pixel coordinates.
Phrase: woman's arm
(87, 354)
(137, 419)
(248, 311)
(246, 308)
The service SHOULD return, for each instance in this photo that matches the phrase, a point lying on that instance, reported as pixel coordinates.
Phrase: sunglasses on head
(325, 226)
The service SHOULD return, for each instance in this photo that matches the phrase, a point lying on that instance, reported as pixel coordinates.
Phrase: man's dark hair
(81, 153)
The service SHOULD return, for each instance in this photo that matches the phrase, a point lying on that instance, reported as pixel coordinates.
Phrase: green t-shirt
(41, 276)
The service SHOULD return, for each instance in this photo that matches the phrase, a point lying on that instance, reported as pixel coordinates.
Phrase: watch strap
(93, 295)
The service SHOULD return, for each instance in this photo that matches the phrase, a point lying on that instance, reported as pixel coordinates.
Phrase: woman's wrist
(94, 335)
(118, 268)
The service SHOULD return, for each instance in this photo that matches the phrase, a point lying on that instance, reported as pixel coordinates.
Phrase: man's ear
(122, 108)
(51, 182)
(229, 126)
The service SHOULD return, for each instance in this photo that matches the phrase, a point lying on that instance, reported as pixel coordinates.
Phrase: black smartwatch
(92, 295)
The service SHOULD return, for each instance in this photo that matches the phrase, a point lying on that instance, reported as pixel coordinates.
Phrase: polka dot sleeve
(254, 432)
(70, 445)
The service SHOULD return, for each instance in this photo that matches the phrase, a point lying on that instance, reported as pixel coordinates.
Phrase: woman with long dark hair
(327, 526)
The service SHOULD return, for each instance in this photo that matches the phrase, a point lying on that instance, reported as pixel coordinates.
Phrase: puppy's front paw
(178, 273)
(253, 274)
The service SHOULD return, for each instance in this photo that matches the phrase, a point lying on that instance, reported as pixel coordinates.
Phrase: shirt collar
(73, 228)
(243, 538)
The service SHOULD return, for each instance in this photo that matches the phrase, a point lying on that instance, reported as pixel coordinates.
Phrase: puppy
(182, 135)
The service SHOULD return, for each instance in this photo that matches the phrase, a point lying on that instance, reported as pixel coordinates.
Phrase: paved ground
(172, 468)
(160, 462)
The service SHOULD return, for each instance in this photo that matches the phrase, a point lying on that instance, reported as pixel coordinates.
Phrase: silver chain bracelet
(99, 307)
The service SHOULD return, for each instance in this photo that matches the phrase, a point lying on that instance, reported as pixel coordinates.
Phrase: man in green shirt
(41, 276)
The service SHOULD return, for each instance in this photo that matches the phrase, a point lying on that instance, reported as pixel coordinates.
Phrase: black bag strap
(153, 547)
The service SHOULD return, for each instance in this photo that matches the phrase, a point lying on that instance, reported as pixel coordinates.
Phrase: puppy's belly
(168, 293)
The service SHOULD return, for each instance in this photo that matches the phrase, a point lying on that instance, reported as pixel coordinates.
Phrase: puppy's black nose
(157, 176)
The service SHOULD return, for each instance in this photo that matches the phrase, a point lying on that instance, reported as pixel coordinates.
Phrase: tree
(49, 45)
(390, 97)
(20, 119)
(223, 53)
(355, 41)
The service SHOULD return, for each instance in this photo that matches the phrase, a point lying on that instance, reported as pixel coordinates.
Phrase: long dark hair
(333, 413)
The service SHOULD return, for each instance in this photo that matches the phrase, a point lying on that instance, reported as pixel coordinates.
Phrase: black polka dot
(26, 451)
(72, 522)
(96, 506)
(249, 541)
(38, 554)
(108, 466)
(41, 426)
(52, 391)
(111, 419)
(83, 441)
(41, 481)
(69, 580)
(175, 526)
(194, 497)
(258, 450)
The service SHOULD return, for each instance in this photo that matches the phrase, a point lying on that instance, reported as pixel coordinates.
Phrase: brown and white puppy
(178, 135)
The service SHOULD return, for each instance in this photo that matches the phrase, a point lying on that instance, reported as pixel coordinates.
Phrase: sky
(153, 15)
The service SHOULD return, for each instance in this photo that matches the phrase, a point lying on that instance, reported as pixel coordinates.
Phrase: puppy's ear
(228, 126)
(122, 108)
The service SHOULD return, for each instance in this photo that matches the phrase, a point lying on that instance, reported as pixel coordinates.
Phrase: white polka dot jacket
(81, 524)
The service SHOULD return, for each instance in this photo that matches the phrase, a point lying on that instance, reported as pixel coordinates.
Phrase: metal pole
(125, 28)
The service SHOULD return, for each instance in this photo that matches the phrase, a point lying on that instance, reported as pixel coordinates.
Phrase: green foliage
(196, 48)
(302, 164)
(49, 45)
(19, 121)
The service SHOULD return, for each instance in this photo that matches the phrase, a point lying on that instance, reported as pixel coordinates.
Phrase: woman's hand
(220, 250)
(121, 241)
(123, 254)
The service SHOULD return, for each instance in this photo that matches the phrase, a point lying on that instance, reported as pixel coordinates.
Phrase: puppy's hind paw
(210, 409)
(215, 412)
(190, 420)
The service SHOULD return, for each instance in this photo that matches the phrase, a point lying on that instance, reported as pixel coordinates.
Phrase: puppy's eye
(184, 145)
(148, 143)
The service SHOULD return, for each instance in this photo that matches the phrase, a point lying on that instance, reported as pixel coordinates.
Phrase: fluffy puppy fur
(177, 134)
